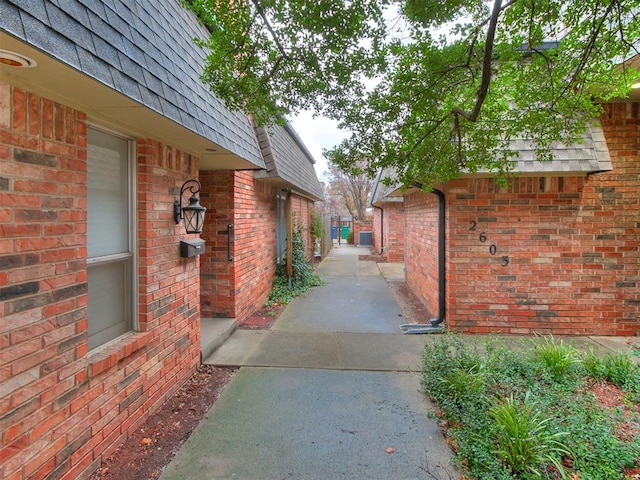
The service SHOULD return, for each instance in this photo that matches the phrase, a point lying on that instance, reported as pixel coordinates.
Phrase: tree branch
(483, 89)
(426, 133)
(586, 52)
(276, 40)
(456, 126)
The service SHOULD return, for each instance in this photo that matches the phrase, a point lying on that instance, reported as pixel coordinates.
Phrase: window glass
(108, 201)
(109, 304)
(109, 233)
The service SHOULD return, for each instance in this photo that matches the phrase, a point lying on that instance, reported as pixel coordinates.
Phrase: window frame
(132, 253)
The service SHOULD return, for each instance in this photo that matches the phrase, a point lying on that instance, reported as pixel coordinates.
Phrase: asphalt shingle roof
(589, 156)
(592, 155)
(288, 162)
(382, 193)
(143, 49)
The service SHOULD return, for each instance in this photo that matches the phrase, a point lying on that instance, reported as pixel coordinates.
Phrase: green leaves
(285, 289)
(556, 357)
(508, 418)
(524, 440)
(440, 97)
(549, 60)
(271, 58)
(429, 12)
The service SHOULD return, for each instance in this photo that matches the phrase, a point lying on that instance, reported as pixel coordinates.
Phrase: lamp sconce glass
(193, 214)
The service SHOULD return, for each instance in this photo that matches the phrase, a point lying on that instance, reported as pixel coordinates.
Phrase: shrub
(285, 289)
(516, 411)
(350, 238)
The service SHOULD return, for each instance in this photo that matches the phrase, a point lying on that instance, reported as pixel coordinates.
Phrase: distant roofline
(298, 140)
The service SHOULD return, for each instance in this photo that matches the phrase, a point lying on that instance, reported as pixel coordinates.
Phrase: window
(110, 233)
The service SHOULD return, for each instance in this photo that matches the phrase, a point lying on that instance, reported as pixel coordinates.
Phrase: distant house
(103, 119)
(388, 220)
(555, 252)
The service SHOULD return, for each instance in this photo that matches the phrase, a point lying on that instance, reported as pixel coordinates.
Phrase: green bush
(350, 238)
(527, 411)
(285, 289)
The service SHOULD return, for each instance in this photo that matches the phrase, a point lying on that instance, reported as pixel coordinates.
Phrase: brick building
(102, 119)
(256, 205)
(363, 233)
(388, 221)
(555, 252)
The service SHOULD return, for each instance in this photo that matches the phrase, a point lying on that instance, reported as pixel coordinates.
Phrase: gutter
(442, 265)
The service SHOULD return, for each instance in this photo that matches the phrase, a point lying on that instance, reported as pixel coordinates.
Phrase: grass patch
(544, 410)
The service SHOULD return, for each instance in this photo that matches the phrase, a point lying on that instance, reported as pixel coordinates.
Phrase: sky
(320, 133)
(317, 134)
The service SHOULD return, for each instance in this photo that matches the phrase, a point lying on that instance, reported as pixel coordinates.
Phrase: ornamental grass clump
(557, 358)
(523, 437)
(620, 369)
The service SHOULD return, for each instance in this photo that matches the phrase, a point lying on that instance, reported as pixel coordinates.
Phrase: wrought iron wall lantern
(193, 214)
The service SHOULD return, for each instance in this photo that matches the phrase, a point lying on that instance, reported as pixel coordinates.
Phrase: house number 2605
(493, 248)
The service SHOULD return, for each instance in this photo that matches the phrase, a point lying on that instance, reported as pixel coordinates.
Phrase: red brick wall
(572, 246)
(238, 288)
(378, 238)
(255, 243)
(421, 248)
(394, 232)
(62, 408)
(217, 273)
(235, 289)
(388, 226)
(361, 226)
(302, 208)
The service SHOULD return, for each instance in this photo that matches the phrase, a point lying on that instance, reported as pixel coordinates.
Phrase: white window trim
(133, 231)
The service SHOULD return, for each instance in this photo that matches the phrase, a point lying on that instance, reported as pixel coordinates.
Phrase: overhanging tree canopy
(442, 95)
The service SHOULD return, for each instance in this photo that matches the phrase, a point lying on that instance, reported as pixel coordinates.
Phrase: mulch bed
(263, 319)
(373, 258)
(413, 310)
(152, 446)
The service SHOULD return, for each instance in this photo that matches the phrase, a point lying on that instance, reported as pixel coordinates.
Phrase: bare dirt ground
(153, 445)
(413, 310)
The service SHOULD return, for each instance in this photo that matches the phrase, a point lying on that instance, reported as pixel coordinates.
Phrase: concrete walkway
(326, 394)
(329, 389)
